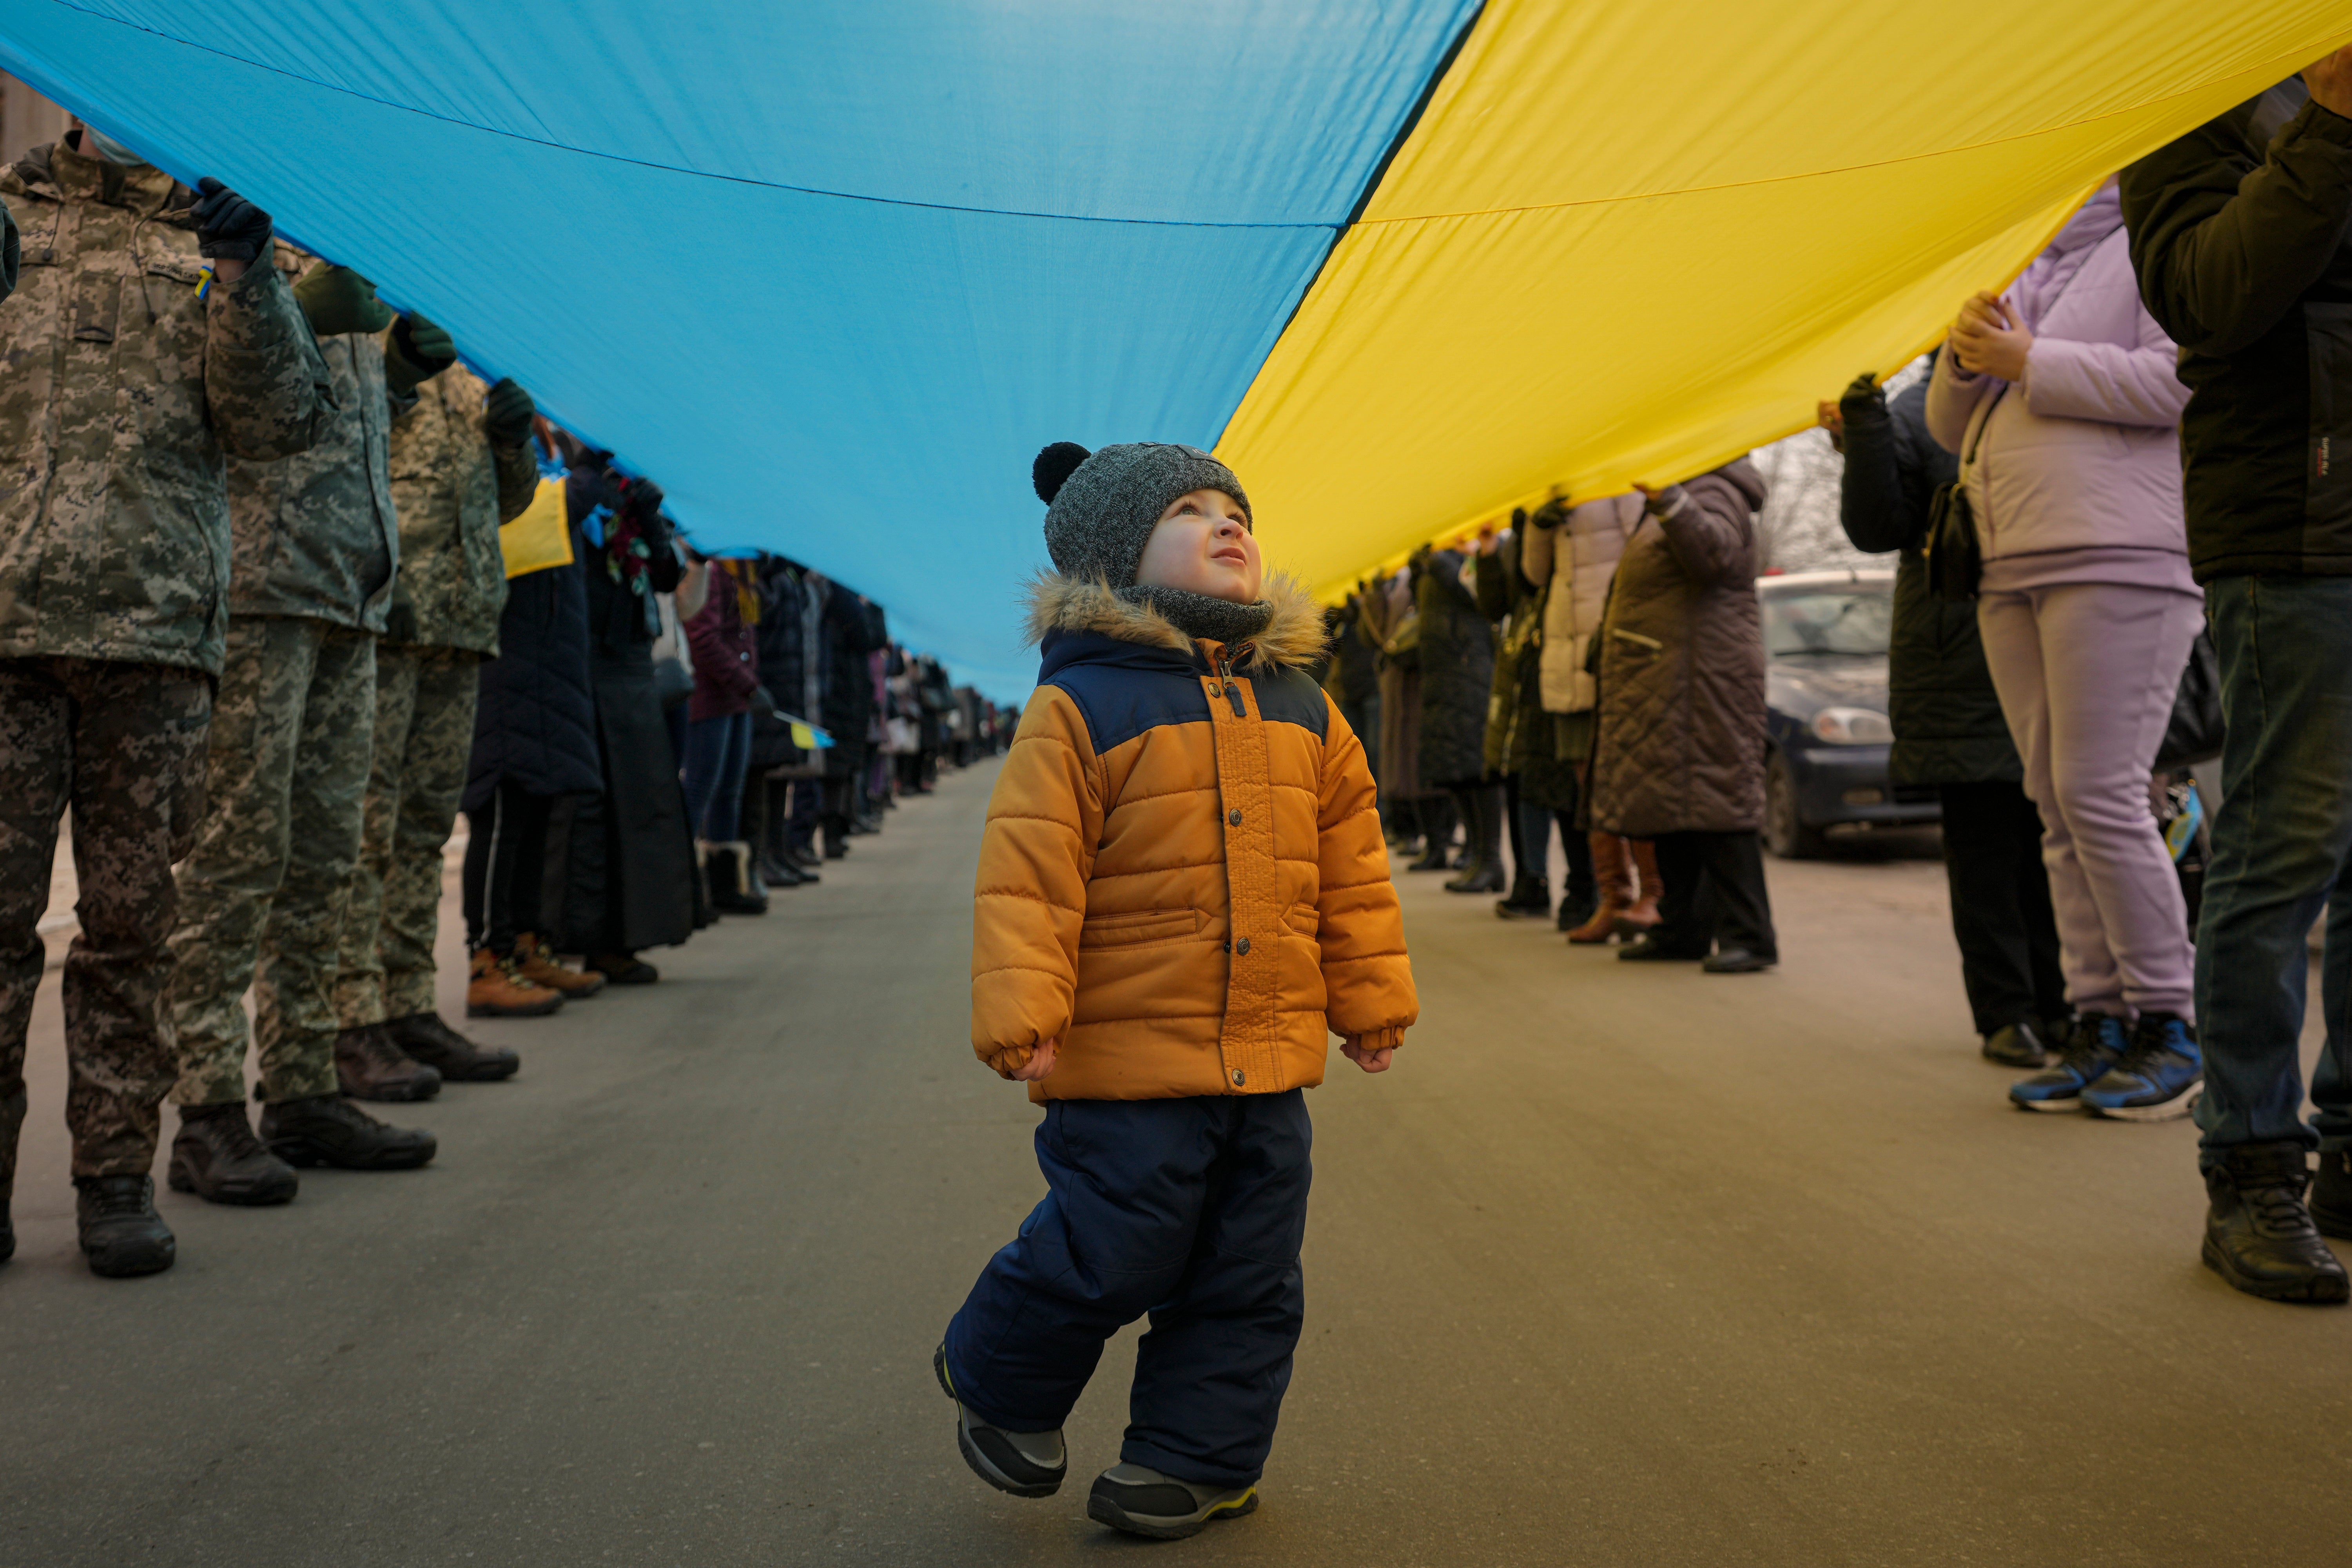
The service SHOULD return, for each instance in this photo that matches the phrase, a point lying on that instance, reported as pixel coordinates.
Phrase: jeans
(2001, 905)
(717, 750)
(1192, 1210)
(2281, 840)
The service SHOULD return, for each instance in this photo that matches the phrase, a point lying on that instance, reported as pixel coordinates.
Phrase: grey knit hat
(1101, 507)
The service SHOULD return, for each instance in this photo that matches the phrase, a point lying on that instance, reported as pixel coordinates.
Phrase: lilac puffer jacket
(2084, 453)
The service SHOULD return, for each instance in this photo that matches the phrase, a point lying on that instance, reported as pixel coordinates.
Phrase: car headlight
(1853, 726)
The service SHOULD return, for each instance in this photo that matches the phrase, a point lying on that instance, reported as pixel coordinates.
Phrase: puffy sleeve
(1369, 993)
(1036, 853)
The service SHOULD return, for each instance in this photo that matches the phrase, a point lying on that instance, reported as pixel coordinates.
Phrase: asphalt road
(1620, 1266)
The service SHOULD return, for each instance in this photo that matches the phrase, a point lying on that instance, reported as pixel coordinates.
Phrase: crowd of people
(283, 586)
(2123, 546)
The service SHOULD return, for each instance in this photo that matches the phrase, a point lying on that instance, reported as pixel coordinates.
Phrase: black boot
(456, 1059)
(328, 1130)
(1530, 899)
(2258, 1234)
(216, 1157)
(1483, 846)
(7, 1233)
(1436, 815)
(122, 1234)
(732, 890)
(369, 1066)
(2331, 1194)
(836, 835)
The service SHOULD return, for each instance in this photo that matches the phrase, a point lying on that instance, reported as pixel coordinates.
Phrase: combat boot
(495, 991)
(2258, 1234)
(328, 1130)
(369, 1066)
(456, 1059)
(216, 1157)
(122, 1234)
(536, 964)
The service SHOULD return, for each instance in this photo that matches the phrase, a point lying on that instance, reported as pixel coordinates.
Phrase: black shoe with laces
(2099, 1043)
(2259, 1236)
(2017, 1045)
(429, 1039)
(216, 1157)
(121, 1234)
(369, 1066)
(1026, 1464)
(328, 1130)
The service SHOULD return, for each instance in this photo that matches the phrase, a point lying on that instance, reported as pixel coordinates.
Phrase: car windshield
(1847, 618)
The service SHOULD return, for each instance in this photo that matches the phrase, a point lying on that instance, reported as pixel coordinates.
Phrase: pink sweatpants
(2086, 674)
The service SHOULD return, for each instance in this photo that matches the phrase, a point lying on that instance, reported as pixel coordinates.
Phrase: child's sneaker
(2100, 1041)
(1145, 1502)
(2159, 1078)
(1026, 1464)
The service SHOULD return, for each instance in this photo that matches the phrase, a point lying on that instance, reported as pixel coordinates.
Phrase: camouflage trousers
(423, 739)
(123, 746)
(262, 894)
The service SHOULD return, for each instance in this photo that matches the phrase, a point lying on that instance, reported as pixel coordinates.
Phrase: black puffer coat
(792, 659)
(853, 628)
(1948, 727)
(535, 716)
(1457, 672)
(1680, 742)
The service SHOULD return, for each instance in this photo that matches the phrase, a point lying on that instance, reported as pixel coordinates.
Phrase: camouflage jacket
(315, 534)
(453, 490)
(122, 397)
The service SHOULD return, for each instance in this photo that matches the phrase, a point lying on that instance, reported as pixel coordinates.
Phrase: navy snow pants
(1192, 1210)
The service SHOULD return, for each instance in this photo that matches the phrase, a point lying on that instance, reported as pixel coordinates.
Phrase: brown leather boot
(495, 991)
(1612, 874)
(1641, 914)
(536, 964)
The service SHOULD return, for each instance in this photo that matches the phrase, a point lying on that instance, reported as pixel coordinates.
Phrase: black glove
(423, 346)
(506, 414)
(1551, 514)
(1862, 395)
(228, 227)
(337, 300)
(641, 500)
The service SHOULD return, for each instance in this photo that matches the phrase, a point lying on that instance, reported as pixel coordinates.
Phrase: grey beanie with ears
(1101, 507)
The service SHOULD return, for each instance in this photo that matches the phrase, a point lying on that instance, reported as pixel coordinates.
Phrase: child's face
(1202, 542)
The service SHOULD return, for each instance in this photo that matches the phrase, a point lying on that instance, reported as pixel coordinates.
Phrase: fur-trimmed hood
(1058, 603)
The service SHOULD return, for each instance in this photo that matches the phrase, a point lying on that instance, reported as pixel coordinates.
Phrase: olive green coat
(453, 491)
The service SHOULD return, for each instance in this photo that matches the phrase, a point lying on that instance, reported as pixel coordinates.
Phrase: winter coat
(1392, 625)
(1354, 676)
(535, 709)
(1948, 727)
(453, 491)
(792, 659)
(2241, 233)
(1680, 714)
(853, 628)
(726, 648)
(1571, 552)
(1517, 725)
(1182, 876)
(122, 395)
(1457, 673)
(2084, 453)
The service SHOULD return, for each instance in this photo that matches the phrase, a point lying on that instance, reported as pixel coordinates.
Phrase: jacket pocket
(1138, 927)
(97, 297)
(1304, 920)
(2327, 472)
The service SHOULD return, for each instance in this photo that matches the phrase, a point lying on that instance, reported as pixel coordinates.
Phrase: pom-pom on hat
(1101, 507)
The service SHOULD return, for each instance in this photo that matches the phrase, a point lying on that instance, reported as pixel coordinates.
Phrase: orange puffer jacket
(1182, 876)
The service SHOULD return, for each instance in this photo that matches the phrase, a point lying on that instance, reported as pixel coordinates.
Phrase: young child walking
(1183, 892)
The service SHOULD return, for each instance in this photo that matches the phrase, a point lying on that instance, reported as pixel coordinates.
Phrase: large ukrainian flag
(833, 270)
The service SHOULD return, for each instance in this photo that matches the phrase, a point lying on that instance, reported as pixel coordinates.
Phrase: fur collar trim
(1294, 638)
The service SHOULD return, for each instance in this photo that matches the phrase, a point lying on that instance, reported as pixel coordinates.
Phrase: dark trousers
(2282, 846)
(716, 753)
(1191, 1210)
(506, 868)
(1714, 890)
(808, 796)
(2000, 904)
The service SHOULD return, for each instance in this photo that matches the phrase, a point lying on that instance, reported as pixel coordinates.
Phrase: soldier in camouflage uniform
(128, 378)
(461, 466)
(262, 894)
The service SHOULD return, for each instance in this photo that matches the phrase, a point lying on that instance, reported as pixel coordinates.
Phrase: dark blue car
(1825, 689)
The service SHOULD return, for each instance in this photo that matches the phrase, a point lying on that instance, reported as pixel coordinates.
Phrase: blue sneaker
(2158, 1078)
(2100, 1041)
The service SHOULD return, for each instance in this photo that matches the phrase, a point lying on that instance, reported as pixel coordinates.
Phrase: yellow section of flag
(542, 536)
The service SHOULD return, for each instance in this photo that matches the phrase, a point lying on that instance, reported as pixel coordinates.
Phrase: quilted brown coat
(1182, 876)
(1680, 743)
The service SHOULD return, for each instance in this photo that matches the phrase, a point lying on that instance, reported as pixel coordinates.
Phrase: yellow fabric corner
(540, 537)
(1631, 242)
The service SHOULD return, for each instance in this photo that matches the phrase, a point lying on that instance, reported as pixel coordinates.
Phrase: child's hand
(1040, 1062)
(1370, 1061)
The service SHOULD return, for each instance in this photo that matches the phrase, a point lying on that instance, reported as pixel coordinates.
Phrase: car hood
(1802, 685)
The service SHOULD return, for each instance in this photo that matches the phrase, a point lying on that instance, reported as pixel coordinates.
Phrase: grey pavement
(1620, 1266)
